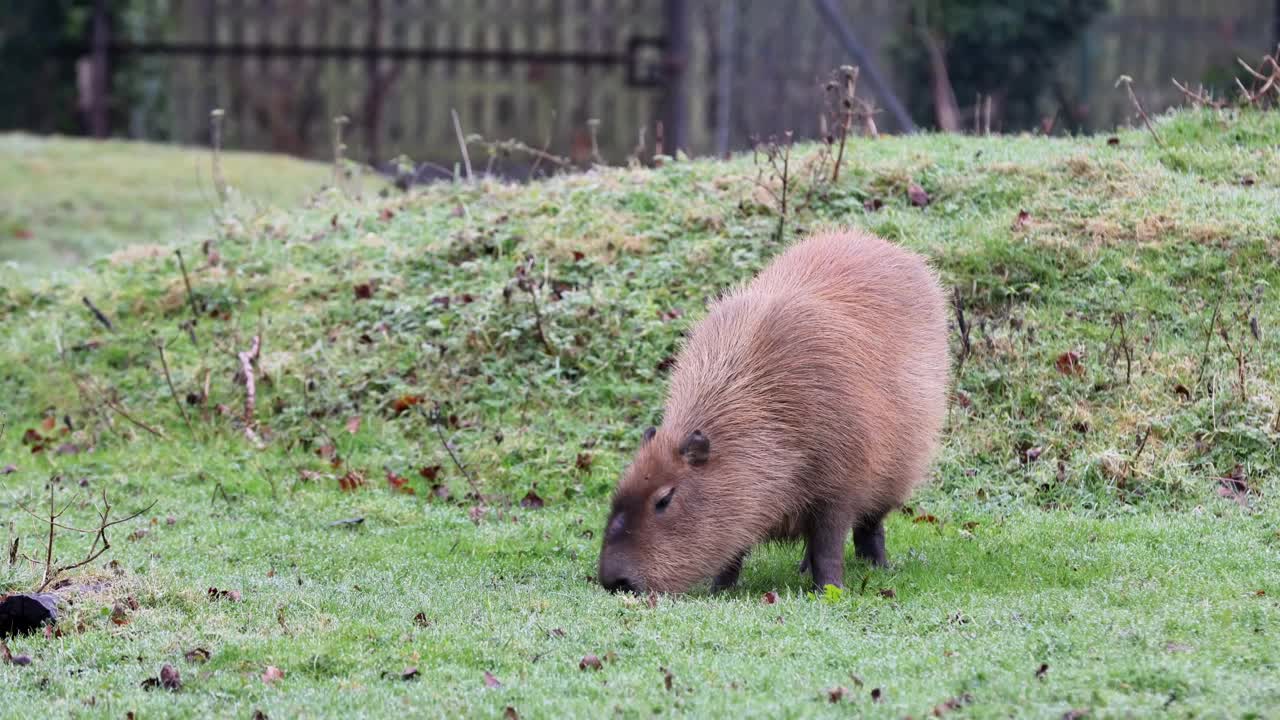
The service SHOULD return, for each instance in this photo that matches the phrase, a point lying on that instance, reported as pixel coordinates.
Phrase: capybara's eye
(664, 501)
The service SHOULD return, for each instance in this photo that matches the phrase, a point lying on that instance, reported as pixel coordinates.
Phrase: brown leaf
(970, 525)
(583, 463)
(120, 613)
(665, 364)
(352, 480)
(835, 694)
(876, 695)
(197, 655)
(590, 661)
(421, 620)
(872, 204)
(1113, 141)
(409, 674)
(477, 513)
(399, 483)
(770, 598)
(918, 196)
(666, 678)
(430, 472)
(230, 595)
(353, 424)
(490, 681)
(1070, 363)
(9, 658)
(510, 714)
(440, 491)
(888, 593)
(1033, 454)
(170, 679)
(272, 674)
(1174, 647)
(404, 403)
(1182, 392)
(1042, 670)
(1076, 713)
(925, 518)
(557, 632)
(364, 291)
(1022, 220)
(950, 704)
(386, 214)
(531, 500)
(48, 423)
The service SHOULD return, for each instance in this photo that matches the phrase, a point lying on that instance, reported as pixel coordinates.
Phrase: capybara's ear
(649, 432)
(696, 448)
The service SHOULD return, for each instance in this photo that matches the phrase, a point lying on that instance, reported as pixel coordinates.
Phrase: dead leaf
(770, 598)
(510, 714)
(1182, 392)
(1113, 141)
(583, 463)
(1033, 454)
(409, 674)
(950, 704)
(1070, 363)
(888, 593)
(531, 500)
(440, 491)
(68, 449)
(557, 632)
(925, 518)
(1022, 220)
(490, 681)
(421, 620)
(197, 655)
(48, 423)
(1040, 671)
(666, 678)
(404, 403)
(10, 659)
(477, 513)
(170, 679)
(971, 525)
(835, 694)
(120, 613)
(1235, 486)
(1076, 713)
(353, 424)
(352, 480)
(918, 196)
(230, 595)
(590, 661)
(430, 473)
(272, 674)
(1247, 181)
(363, 291)
(876, 695)
(872, 204)
(399, 483)
(652, 599)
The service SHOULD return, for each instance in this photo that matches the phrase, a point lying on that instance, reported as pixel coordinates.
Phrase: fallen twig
(435, 419)
(1128, 86)
(247, 360)
(191, 298)
(462, 144)
(98, 314)
(164, 363)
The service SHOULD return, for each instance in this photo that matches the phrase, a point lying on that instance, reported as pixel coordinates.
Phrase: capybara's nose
(618, 584)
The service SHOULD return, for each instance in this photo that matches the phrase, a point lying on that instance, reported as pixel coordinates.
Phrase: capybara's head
(661, 534)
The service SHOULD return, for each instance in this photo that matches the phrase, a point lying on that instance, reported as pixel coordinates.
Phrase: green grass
(64, 201)
(1122, 569)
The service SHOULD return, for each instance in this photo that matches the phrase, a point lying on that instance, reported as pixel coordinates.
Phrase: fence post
(99, 115)
(675, 115)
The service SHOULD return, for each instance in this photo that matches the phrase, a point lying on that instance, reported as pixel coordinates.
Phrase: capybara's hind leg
(827, 535)
(868, 540)
(729, 576)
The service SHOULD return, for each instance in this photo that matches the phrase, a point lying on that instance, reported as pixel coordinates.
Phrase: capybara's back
(807, 403)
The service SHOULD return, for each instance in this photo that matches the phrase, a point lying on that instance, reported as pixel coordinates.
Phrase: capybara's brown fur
(807, 404)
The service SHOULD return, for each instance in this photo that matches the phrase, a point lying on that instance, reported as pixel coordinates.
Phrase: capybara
(806, 404)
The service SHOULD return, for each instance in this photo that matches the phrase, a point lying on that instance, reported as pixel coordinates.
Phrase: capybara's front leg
(729, 576)
(868, 540)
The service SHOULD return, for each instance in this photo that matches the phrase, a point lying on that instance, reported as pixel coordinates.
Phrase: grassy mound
(1103, 505)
